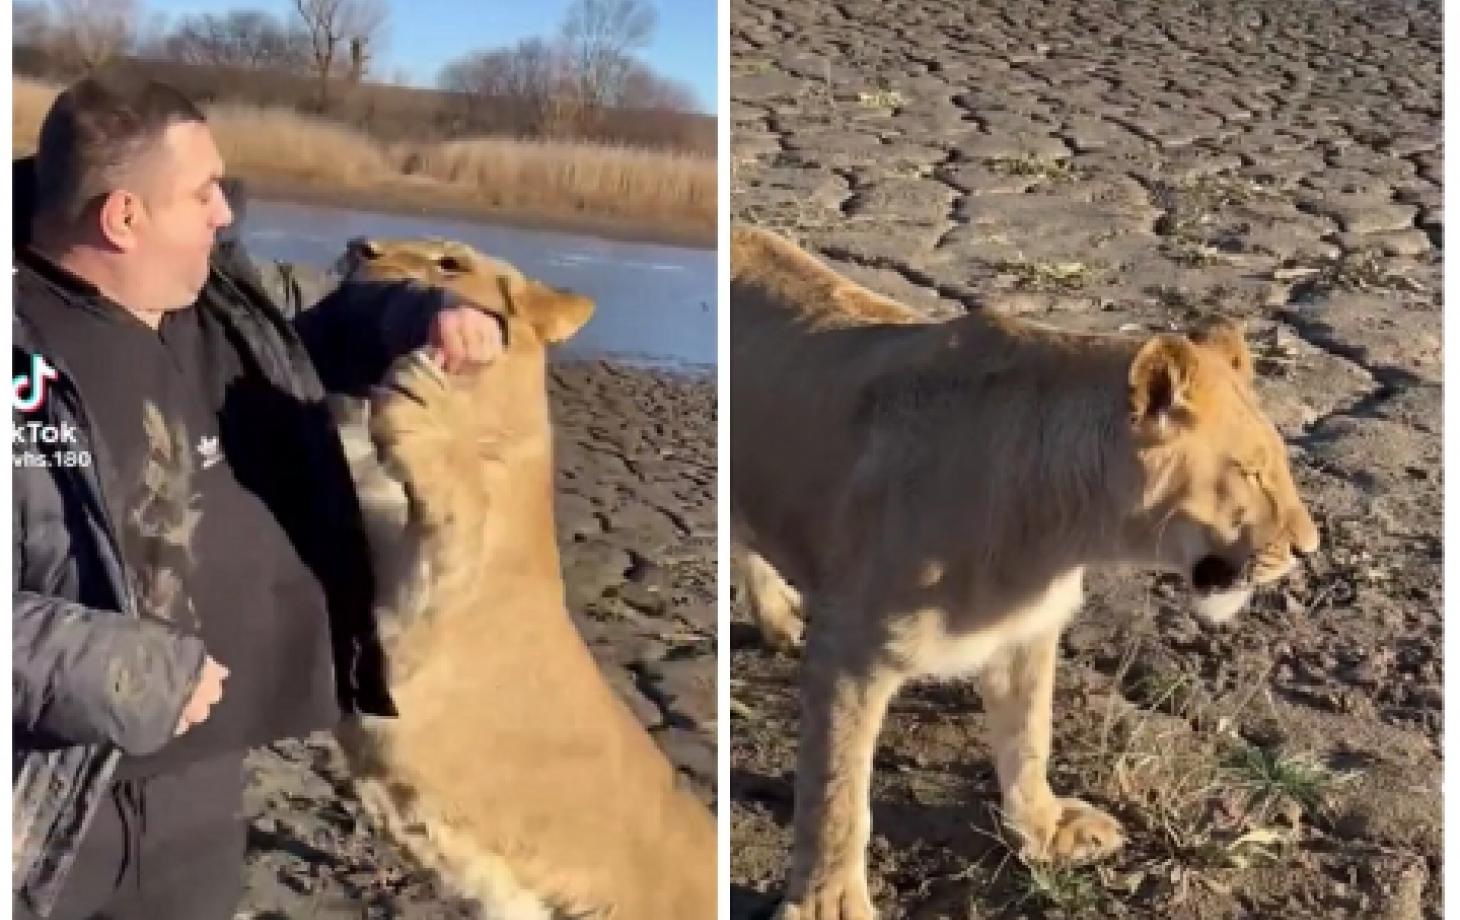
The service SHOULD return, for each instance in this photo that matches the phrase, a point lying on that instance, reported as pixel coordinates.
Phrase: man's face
(182, 210)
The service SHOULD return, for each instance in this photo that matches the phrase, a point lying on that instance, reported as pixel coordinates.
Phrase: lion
(513, 768)
(931, 493)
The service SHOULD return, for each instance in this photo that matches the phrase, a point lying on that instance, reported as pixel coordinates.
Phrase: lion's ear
(1228, 338)
(1160, 387)
(556, 315)
(362, 247)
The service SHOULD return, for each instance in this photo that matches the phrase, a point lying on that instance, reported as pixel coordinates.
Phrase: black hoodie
(173, 405)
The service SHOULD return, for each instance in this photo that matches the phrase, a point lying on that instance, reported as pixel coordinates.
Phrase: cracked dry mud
(1133, 165)
(635, 452)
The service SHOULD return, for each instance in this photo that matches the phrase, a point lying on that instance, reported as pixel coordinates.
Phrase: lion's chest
(961, 644)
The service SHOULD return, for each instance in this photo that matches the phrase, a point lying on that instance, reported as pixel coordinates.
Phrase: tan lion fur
(935, 490)
(513, 768)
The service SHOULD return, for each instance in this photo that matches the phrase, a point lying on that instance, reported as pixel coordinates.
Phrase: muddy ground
(1135, 165)
(636, 523)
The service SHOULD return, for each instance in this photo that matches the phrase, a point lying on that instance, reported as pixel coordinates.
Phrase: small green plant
(1169, 692)
(741, 66)
(1048, 276)
(1272, 778)
(1037, 167)
(1072, 891)
(1359, 270)
(882, 99)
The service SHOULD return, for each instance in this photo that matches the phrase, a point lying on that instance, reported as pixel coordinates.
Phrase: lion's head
(531, 313)
(1218, 486)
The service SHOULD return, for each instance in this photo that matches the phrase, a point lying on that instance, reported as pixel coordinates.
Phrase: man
(190, 573)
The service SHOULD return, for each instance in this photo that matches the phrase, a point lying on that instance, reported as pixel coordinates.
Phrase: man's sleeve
(356, 331)
(353, 331)
(90, 676)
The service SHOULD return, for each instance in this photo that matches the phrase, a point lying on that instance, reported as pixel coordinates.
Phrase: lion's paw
(774, 605)
(413, 386)
(783, 637)
(778, 616)
(842, 897)
(1071, 832)
(407, 421)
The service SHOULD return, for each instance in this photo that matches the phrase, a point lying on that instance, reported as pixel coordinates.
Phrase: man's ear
(1160, 387)
(1228, 338)
(117, 216)
(556, 315)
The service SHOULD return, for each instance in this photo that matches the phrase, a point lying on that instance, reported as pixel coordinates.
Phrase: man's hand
(463, 336)
(208, 692)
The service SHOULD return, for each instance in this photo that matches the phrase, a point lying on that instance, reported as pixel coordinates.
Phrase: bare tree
(240, 38)
(341, 30)
(600, 37)
(541, 83)
(500, 72)
(642, 88)
(90, 32)
(480, 73)
(530, 75)
(30, 22)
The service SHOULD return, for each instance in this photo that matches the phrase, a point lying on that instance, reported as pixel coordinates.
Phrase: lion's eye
(450, 264)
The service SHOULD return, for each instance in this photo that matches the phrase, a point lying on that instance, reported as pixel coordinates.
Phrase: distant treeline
(396, 113)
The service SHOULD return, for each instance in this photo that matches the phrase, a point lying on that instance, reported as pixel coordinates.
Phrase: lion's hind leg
(468, 869)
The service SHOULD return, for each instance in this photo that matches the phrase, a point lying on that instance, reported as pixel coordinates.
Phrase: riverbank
(433, 199)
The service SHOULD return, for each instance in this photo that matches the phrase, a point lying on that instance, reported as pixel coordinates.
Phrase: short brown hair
(96, 128)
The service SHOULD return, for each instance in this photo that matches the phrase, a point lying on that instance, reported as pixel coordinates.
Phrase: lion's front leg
(843, 705)
(421, 429)
(774, 604)
(1018, 693)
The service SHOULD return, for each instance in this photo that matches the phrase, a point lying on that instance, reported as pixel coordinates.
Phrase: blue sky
(425, 34)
